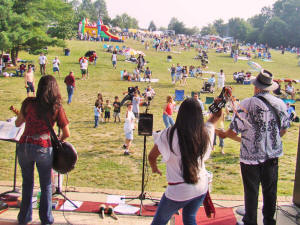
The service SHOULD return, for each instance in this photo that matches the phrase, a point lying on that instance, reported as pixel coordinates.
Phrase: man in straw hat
(261, 120)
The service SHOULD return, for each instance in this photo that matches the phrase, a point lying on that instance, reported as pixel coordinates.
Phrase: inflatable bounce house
(97, 30)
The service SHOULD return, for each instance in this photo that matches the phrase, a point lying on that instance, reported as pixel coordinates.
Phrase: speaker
(296, 195)
(145, 127)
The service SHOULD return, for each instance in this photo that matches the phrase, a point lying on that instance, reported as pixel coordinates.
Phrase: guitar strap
(272, 109)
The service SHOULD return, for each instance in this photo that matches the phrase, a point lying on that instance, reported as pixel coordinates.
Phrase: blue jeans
(168, 120)
(96, 121)
(173, 77)
(70, 90)
(168, 207)
(221, 144)
(28, 156)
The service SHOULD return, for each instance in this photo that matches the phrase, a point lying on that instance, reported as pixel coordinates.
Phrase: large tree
(239, 28)
(24, 24)
(152, 26)
(125, 21)
(177, 26)
(274, 32)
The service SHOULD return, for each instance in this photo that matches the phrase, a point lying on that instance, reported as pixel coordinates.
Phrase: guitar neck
(16, 111)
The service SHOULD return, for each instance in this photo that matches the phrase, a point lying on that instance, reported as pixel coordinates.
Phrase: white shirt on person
(56, 63)
(42, 59)
(129, 122)
(114, 57)
(183, 191)
(83, 64)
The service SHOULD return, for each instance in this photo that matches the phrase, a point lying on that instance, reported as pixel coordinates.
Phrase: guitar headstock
(16, 111)
(221, 100)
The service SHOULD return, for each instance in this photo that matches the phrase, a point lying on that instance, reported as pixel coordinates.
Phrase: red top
(36, 129)
(70, 80)
(169, 109)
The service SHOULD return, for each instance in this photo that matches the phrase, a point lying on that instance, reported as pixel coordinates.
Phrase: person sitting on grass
(136, 75)
(147, 74)
(128, 128)
(107, 108)
(290, 90)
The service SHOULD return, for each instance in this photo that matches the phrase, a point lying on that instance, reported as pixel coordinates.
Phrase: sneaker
(124, 146)
(126, 153)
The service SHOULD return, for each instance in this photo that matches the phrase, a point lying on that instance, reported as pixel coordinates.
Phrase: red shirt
(36, 129)
(169, 109)
(70, 80)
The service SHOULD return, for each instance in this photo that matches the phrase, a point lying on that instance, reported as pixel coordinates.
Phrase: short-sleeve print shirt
(259, 129)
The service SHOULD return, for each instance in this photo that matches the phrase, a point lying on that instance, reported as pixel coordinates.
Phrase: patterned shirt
(259, 129)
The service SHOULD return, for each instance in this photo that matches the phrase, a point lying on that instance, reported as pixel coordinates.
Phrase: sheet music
(9, 131)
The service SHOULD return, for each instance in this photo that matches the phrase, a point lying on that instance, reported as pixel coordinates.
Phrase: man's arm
(228, 133)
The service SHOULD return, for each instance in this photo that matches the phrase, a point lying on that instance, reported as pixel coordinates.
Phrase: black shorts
(30, 87)
(106, 115)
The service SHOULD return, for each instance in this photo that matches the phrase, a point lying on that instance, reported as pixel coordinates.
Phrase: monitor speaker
(296, 195)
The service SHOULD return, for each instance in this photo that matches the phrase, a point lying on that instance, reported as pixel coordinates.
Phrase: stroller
(208, 87)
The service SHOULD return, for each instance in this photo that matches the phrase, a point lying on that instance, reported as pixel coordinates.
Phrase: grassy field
(101, 162)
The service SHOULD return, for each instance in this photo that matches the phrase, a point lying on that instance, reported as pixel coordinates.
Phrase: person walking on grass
(114, 59)
(56, 64)
(42, 62)
(84, 63)
(107, 108)
(70, 82)
(97, 112)
(117, 109)
(168, 111)
(29, 81)
(128, 129)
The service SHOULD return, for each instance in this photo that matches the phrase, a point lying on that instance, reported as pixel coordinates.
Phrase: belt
(39, 136)
(170, 183)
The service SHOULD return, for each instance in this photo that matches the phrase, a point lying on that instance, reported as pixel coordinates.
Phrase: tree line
(33, 25)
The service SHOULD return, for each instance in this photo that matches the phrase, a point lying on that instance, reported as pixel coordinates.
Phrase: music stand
(14, 190)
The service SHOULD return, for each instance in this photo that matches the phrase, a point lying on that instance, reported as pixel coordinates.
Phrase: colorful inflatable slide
(97, 30)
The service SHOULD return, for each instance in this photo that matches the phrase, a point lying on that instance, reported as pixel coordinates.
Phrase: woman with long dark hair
(35, 146)
(184, 148)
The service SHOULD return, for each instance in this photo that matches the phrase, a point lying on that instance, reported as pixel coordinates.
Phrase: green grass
(101, 162)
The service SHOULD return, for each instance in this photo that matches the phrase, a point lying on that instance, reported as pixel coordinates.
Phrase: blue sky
(192, 12)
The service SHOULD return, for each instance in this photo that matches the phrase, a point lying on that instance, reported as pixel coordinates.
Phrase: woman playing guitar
(35, 146)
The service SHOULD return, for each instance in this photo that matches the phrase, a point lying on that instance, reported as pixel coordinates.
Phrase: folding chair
(179, 95)
(209, 100)
(105, 46)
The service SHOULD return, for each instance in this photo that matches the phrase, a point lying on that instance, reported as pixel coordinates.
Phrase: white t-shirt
(114, 57)
(129, 122)
(83, 64)
(56, 62)
(184, 191)
(42, 59)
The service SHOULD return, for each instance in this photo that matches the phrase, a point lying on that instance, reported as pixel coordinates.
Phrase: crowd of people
(185, 144)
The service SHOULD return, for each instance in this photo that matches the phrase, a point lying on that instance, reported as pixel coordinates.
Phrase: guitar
(64, 153)
(221, 100)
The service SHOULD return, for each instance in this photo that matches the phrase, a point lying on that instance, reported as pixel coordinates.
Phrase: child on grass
(128, 128)
(107, 108)
(117, 109)
(97, 112)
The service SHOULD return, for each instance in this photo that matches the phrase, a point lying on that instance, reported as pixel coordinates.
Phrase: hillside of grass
(101, 162)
